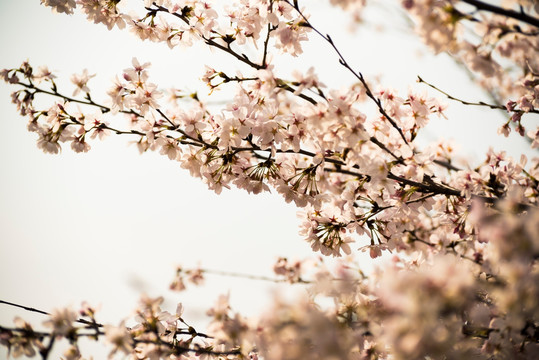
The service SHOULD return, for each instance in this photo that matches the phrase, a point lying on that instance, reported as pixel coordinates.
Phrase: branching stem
(521, 16)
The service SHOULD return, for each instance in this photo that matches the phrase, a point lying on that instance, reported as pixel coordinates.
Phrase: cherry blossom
(456, 241)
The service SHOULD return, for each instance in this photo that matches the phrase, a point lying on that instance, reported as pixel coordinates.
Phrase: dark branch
(521, 16)
(81, 321)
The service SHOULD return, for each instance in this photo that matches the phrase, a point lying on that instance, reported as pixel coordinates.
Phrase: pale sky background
(111, 224)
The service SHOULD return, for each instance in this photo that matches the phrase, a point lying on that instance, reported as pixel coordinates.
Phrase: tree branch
(521, 16)
(425, 187)
(357, 74)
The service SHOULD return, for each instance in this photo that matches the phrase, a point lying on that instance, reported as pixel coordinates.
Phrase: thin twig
(250, 276)
(31, 309)
(27, 308)
(464, 102)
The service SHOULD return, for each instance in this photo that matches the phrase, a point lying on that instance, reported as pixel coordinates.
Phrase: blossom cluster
(503, 59)
(463, 240)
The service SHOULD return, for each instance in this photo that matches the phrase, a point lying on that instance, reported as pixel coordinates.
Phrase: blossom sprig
(227, 150)
(211, 74)
(492, 59)
(326, 234)
(511, 107)
(157, 332)
(290, 271)
(359, 306)
(304, 180)
(358, 75)
(285, 271)
(194, 276)
(381, 145)
(202, 23)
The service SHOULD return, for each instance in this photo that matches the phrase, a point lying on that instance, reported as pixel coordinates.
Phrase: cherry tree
(461, 238)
